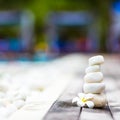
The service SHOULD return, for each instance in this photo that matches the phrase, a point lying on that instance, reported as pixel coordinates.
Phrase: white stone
(96, 60)
(16, 95)
(19, 103)
(93, 77)
(99, 100)
(4, 102)
(3, 111)
(95, 68)
(3, 87)
(93, 87)
(2, 118)
(10, 109)
(20, 97)
(2, 94)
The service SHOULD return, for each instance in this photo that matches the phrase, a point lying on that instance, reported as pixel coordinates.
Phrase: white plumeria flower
(84, 99)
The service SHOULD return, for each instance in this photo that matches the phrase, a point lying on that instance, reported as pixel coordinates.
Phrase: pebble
(99, 100)
(3, 87)
(3, 118)
(2, 94)
(96, 60)
(10, 109)
(95, 68)
(16, 95)
(4, 102)
(19, 103)
(93, 77)
(3, 111)
(20, 97)
(1, 103)
(93, 87)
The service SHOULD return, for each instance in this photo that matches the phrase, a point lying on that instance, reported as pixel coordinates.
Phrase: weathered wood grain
(112, 80)
(95, 114)
(113, 96)
(63, 109)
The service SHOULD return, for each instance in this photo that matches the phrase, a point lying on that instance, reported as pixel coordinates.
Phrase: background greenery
(41, 9)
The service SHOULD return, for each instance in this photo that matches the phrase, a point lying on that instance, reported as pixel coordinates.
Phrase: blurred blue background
(41, 29)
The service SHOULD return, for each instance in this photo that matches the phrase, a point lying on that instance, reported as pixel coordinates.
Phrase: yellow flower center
(84, 100)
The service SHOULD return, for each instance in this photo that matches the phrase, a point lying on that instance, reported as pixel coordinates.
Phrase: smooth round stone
(2, 118)
(1, 103)
(4, 102)
(96, 60)
(99, 100)
(94, 77)
(16, 95)
(3, 111)
(3, 87)
(93, 87)
(95, 68)
(10, 109)
(19, 103)
(20, 97)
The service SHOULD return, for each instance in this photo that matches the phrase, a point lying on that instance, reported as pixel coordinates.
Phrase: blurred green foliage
(41, 9)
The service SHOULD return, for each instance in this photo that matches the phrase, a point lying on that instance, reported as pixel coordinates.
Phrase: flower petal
(90, 104)
(80, 103)
(89, 96)
(81, 95)
(75, 99)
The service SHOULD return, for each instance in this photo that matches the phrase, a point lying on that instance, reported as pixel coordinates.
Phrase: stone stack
(94, 81)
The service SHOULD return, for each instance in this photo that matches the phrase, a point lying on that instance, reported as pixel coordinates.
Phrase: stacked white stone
(94, 81)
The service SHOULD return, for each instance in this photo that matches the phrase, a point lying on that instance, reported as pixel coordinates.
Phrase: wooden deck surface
(63, 109)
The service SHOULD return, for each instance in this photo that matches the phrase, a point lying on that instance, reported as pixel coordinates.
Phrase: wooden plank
(113, 92)
(95, 114)
(63, 109)
(112, 76)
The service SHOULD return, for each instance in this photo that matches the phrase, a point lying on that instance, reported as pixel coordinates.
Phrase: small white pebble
(10, 109)
(94, 68)
(20, 97)
(96, 60)
(15, 86)
(25, 90)
(93, 88)
(3, 87)
(6, 76)
(94, 77)
(1, 103)
(4, 102)
(2, 94)
(2, 118)
(3, 111)
(16, 95)
(19, 103)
